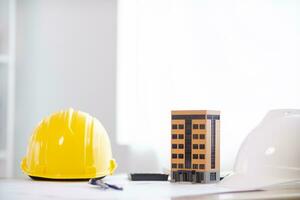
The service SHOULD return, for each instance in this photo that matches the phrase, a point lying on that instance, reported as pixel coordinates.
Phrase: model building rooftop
(195, 112)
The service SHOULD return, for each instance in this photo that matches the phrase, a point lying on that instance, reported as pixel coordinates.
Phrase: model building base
(195, 177)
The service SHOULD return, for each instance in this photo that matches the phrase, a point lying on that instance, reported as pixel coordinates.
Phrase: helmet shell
(69, 145)
(270, 153)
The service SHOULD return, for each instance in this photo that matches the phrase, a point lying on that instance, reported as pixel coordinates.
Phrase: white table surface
(30, 189)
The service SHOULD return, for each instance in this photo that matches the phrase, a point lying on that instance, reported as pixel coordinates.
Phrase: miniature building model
(195, 146)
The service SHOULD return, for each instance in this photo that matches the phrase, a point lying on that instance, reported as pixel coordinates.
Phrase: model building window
(213, 176)
(202, 146)
(202, 126)
(188, 126)
(195, 146)
(195, 136)
(174, 126)
(202, 136)
(174, 165)
(174, 146)
(180, 136)
(174, 136)
(180, 146)
(202, 156)
(195, 126)
(201, 166)
(195, 166)
(174, 155)
(195, 156)
(188, 137)
(180, 155)
(180, 166)
(181, 126)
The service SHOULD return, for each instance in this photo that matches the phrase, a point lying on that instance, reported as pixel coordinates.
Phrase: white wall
(240, 57)
(66, 57)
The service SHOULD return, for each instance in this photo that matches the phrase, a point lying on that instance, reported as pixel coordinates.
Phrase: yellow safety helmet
(69, 145)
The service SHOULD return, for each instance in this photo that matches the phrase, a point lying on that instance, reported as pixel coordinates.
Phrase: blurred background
(130, 62)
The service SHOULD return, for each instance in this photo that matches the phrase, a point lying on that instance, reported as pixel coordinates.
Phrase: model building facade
(195, 146)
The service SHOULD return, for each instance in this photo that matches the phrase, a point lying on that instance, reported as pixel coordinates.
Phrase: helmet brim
(55, 179)
(251, 182)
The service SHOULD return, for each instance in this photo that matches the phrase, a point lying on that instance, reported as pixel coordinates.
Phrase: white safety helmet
(270, 154)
